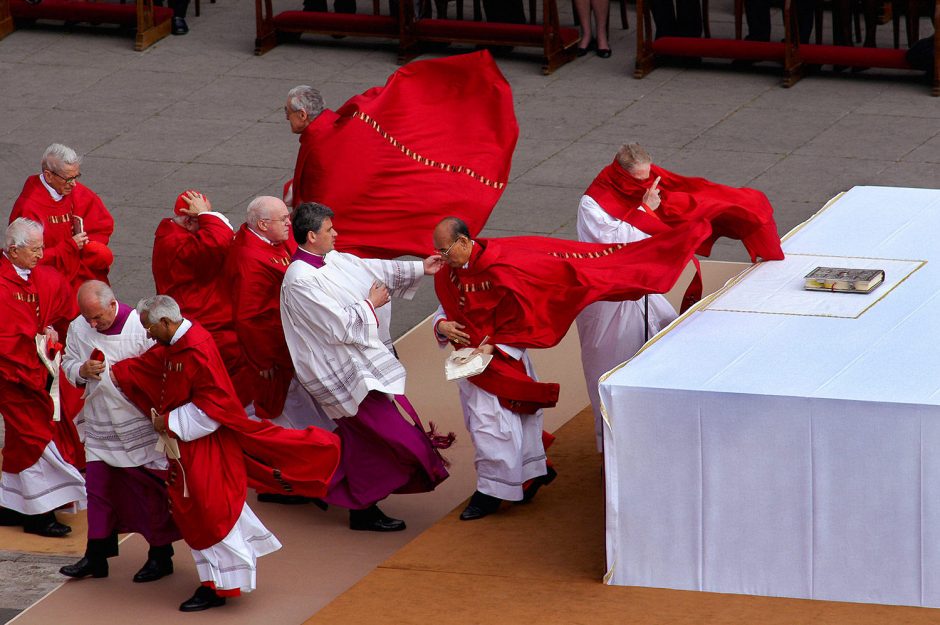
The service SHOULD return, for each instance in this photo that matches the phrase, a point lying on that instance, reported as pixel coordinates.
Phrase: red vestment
(189, 267)
(436, 140)
(256, 269)
(28, 307)
(526, 292)
(61, 252)
(744, 214)
(208, 494)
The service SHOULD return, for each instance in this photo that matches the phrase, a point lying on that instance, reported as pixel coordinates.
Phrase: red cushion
(77, 11)
(888, 58)
(380, 25)
(719, 48)
(516, 34)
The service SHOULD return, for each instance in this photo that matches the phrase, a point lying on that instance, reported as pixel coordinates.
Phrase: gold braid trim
(456, 169)
(605, 252)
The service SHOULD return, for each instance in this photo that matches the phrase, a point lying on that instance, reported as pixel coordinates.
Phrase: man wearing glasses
(76, 222)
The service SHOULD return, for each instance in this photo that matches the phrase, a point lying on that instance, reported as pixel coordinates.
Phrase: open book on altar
(463, 363)
(843, 279)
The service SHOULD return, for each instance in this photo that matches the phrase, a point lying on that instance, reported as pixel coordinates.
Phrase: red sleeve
(64, 257)
(204, 254)
(258, 322)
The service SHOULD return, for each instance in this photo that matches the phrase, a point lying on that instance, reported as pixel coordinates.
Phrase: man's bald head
(269, 217)
(452, 241)
(97, 304)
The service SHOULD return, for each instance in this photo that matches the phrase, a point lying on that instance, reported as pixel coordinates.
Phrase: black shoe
(529, 493)
(604, 53)
(152, 570)
(286, 500)
(479, 506)
(203, 599)
(85, 568)
(584, 51)
(45, 525)
(374, 520)
(179, 27)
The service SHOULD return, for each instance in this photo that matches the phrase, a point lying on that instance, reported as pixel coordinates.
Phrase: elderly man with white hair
(125, 475)
(304, 105)
(77, 224)
(37, 303)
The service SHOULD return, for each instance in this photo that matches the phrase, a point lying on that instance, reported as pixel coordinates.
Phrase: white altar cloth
(780, 442)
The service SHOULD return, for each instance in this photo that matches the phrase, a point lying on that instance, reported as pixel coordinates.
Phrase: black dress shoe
(584, 51)
(604, 53)
(179, 26)
(45, 525)
(374, 520)
(479, 506)
(203, 599)
(286, 500)
(152, 570)
(529, 493)
(85, 568)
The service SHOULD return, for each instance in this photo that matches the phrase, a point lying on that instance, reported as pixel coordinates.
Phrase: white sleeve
(437, 318)
(188, 422)
(317, 312)
(513, 352)
(595, 225)
(75, 353)
(402, 277)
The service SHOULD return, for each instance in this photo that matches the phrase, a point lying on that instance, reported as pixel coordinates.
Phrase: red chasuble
(526, 292)
(744, 214)
(208, 485)
(256, 269)
(28, 307)
(436, 140)
(61, 252)
(189, 267)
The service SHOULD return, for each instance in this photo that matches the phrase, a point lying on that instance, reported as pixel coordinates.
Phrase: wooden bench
(792, 55)
(275, 28)
(152, 23)
(557, 43)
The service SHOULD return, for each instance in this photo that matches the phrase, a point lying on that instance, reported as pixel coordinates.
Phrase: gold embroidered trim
(605, 252)
(280, 261)
(456, 169)
(59, 219)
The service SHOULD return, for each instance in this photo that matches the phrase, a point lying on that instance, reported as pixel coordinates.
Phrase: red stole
(527, 291)
(436, 140)
(256, 269)
(61, 252)
(29, 306)
(737, 213)
(217, 469)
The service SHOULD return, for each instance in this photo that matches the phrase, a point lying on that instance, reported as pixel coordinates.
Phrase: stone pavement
(201, 112)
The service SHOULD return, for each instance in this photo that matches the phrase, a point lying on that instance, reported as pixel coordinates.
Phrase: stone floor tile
(227, 187)
(815, 179)
(140, 92)
(714, 85)
(872, 136)
(170, 138)
(568, 167)
(120, 180)
(536, 208)
(909, 174)
(84, 131)
(927, 152)
(661, 122)
(267, 144)
(734, 168)
(531, 152)
(234, 98)
(778, 131)
(28, 85)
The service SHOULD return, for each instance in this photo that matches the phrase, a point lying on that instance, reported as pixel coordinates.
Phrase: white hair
(57, 155)
(97, 289)
(259, 208)
(19, 232)
(160, 307)
(305, 98)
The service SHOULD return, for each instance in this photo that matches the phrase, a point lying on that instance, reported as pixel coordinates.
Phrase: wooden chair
(151, 23)
(272, 29)
(557, 43)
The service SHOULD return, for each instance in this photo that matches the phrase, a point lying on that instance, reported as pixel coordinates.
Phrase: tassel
(439, 441)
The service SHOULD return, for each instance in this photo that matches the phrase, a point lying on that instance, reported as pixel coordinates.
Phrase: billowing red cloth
(526, 292)
(218, 468)
(436, 140)
(29, 306)
(61, 252)
(189, 267)
(256, 269)
(737, 213)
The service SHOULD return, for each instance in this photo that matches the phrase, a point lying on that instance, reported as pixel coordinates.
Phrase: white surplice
(339, 344)
(507, 445)
(114, 430)
(612, 332)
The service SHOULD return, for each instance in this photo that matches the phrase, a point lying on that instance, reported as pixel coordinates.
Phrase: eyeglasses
(69, 180)
(446, 253)
(284, 220)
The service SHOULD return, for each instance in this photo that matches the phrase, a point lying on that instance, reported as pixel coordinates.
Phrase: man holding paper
(525, 292)
(37, 304)
(125, 475)
(335, 319)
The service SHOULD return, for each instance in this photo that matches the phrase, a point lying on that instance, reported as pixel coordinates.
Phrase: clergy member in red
(507, 295)
(38, 305)
(215, 451)
(437, 138)
(189, 254)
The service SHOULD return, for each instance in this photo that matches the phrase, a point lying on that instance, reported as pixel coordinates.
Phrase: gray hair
(305, 98)
(19, 232)
(309, 217)
(97, 289)
(259, 208)
(57, 155)
(631, 155)
(160, 307)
